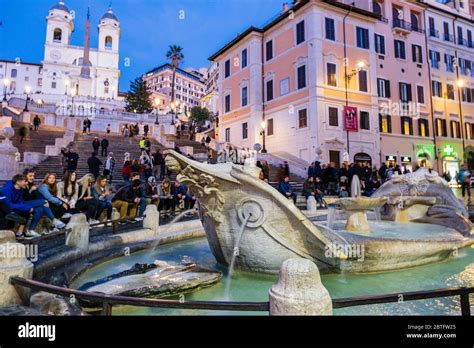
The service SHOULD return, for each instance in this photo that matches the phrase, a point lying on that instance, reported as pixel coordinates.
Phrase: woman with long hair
(165, 196)
(100, 192)
(68, 189)
(86, 202)
(48, 189)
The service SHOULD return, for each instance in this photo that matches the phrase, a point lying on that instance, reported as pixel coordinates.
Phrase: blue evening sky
(148, 28)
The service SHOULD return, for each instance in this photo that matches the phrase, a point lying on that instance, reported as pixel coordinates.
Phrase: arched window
(57, 35)
(414, 21)
(108, 42)
(377, 8)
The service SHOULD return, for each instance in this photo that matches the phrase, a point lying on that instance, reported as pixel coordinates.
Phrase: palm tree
(175, 55)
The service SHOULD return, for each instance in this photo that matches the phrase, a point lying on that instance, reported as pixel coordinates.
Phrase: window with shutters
(363, 85)
(364, 120)
(420, 94)
(434, 59)
(244, 58)
(379, 44)
(227, 103)
(302, 118)
(417, 54)
(383, 88)
(385, 123)
(423, 128)
(455, 129)
(331, 74)
(362, 38)
(437, 89)
(244, 96)
(400, 49)
(269, 50)
(449, 62)
(301, 76)
(227, 135)
(441, 130)
(406, 125)
(333, 116)
(227, 68)
(330, 29)
(245, 130)
(300, 35)
(450, 91)
(270, 126)
(405, 92)
(269, 90)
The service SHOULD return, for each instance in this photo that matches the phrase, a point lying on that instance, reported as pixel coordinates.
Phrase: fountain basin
(409, 208)
(357, 208)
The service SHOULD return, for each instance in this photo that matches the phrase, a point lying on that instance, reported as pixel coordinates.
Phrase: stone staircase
(35, 141)
(118, 144)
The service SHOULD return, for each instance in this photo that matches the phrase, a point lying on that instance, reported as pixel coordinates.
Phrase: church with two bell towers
(80, 71)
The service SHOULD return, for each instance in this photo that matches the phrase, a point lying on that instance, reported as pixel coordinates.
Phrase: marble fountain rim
(106, 249)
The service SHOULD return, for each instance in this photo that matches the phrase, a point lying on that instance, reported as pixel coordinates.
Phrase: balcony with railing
(448, 37)
(406, 27)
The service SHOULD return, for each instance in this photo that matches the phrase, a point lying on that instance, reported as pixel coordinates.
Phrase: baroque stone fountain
(357, 206)
(243, 214)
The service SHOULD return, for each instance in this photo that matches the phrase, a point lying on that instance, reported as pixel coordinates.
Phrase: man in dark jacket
(104, 145)
(94, 165)
(127, 199)
(180, 193)
(71, 158)
(285, 189)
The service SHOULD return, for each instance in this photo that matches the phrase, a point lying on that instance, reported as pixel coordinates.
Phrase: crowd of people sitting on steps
(144, 181)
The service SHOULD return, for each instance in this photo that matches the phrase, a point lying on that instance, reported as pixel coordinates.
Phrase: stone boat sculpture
(245, 216)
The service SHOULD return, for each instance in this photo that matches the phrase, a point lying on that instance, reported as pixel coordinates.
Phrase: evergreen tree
(138, 98)
(199, 114)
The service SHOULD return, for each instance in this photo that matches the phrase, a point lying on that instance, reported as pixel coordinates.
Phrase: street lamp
(6, 82)
(27, 92)
(73, 93)
(263, 124)
(157, 104)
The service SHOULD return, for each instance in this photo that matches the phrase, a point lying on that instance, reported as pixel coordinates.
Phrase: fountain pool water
(454, 272)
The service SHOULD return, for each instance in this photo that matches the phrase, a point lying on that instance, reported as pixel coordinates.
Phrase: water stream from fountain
(331, 215)
(234, 256)
(355, 187)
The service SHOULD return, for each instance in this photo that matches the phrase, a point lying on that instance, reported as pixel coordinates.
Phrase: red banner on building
(350, 119)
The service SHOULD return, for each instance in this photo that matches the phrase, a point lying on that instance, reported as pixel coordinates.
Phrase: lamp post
(73, 93)
(157, 105)
(6, 83)
(66, 84)
(460, 85)
(263, 124)
(27, 92)
(360, 66)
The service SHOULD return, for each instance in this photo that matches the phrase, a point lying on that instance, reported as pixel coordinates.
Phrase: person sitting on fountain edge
(285, 188)
(13, 192)
(127, 199)
(181, 194)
